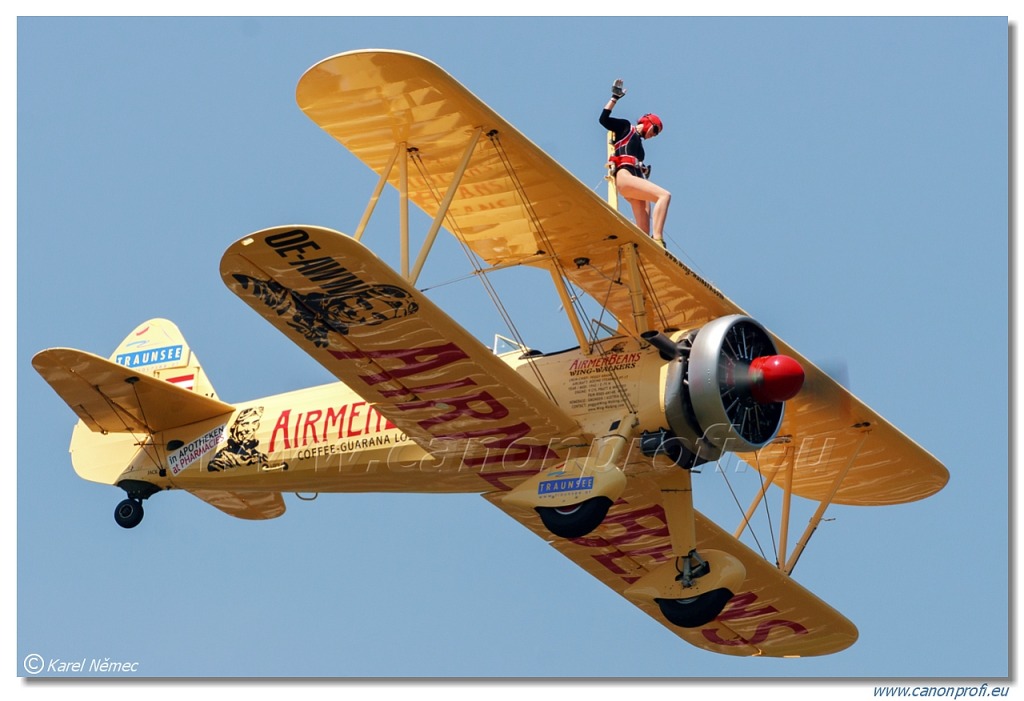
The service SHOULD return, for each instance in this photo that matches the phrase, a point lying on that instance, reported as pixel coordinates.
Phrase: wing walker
(592, 448)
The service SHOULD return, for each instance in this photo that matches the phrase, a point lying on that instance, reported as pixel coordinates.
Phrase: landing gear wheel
(696, 611)
(575, 520)
(128, 513)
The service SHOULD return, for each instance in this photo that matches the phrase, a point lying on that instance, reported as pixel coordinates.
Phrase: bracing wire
(134, 381)
(479, 272)
(611, 284)
(691, 263)
(653, 291)
(749, 526)
(543, 236)
(120, 412)
(538, 228)
(764, 500)
(445, 283)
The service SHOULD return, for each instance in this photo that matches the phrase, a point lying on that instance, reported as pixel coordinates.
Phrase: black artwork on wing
(316, 314)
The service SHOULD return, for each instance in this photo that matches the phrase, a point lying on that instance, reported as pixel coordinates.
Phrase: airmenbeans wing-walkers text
(604, 363)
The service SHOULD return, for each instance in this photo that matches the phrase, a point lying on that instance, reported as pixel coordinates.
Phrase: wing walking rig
(593, 448)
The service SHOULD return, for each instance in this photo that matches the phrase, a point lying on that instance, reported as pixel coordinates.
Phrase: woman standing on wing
(629, 170)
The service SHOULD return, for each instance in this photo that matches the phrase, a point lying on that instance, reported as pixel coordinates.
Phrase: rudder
(158, 348)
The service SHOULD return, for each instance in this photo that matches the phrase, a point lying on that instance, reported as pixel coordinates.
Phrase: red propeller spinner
(775, 378)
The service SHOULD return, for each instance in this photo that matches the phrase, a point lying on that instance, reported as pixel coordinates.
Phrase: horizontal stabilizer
(253, 506)
(112, 398)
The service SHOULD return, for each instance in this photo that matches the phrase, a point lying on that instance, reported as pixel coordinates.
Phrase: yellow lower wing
(769, 615)
(383, 338)
(112, 398)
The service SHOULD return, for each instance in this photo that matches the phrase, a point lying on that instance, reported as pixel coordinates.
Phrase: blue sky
(844, 180)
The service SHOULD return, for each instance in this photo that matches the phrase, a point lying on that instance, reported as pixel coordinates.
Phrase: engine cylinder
(714, 400)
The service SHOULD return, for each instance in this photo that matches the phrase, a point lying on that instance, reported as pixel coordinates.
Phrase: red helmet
(648, 123)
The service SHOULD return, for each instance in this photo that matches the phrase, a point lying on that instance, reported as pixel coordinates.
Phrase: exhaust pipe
(667, 349)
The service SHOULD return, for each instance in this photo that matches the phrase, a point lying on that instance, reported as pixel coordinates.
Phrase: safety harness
(619, 161)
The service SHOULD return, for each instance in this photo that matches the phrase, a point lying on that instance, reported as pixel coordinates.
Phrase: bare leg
(637, 189)
(641, 215)
(660, 213)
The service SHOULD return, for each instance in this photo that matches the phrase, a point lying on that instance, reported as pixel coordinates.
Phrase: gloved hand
(617, 90)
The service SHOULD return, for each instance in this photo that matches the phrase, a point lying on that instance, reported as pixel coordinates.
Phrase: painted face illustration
(242, 449)
(246, 425)
(372, 305)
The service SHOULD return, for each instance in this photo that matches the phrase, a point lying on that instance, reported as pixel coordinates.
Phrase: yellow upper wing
(514, 200)
(769, 615)
(387, 341)
(516, 204)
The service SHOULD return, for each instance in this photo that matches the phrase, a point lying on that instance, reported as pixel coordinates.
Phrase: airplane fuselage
(329, 439)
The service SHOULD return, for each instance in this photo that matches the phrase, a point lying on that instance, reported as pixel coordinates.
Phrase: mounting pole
(613, 192)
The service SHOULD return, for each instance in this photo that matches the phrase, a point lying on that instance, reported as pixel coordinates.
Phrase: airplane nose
(775, 378)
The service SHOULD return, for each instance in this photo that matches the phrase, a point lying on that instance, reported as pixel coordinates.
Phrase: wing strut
(375, 197)
(403, 211)
(787, 500)
(788, 462)
(442, 211)
(636, 291)
(812, 525)
(412, 153)
(570, 308)
(787, 456)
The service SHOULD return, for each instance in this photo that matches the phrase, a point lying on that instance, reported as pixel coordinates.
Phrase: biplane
(592, 448)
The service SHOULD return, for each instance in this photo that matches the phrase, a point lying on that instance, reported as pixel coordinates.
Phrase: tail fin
(158, 348)
(152, 382)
